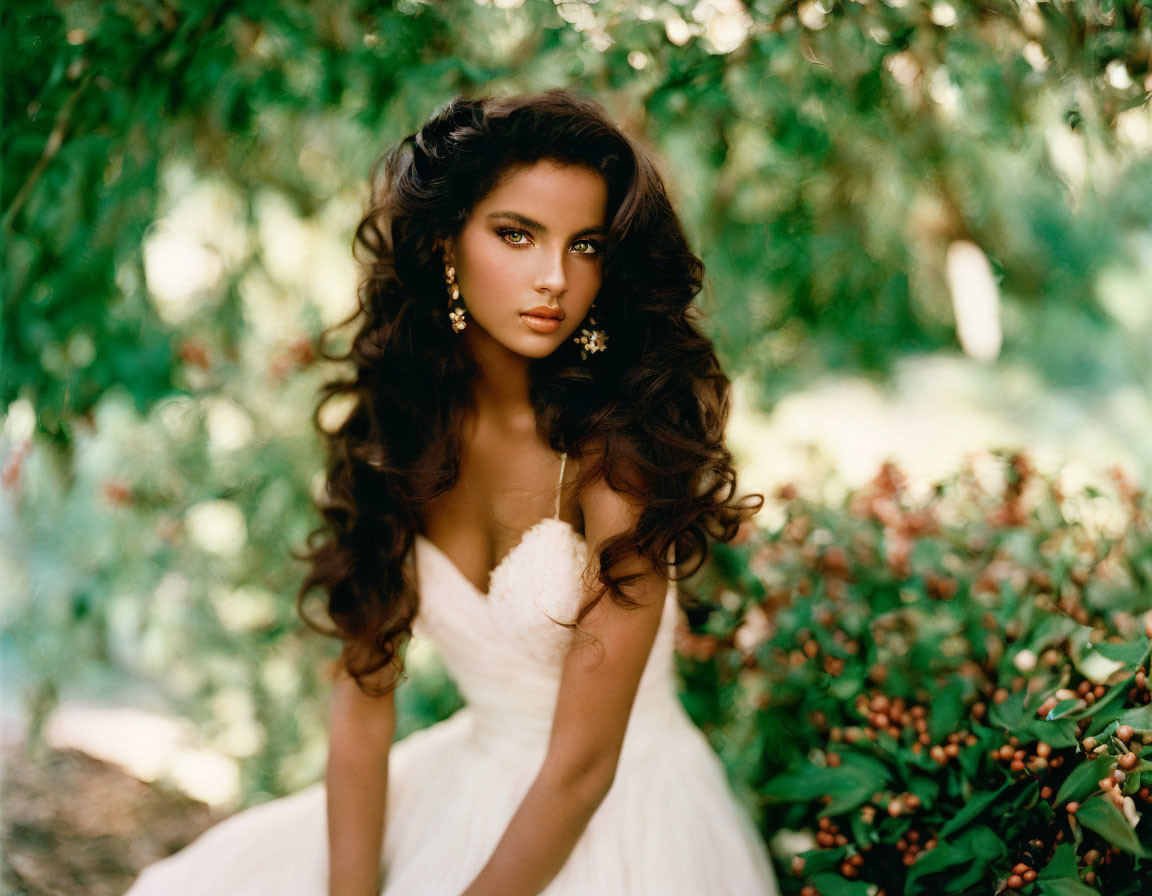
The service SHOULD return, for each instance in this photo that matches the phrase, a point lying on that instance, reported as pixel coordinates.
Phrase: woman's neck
(500, 390)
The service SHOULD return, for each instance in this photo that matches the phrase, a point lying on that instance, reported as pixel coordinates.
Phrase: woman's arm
(597, 688)
(361, 729)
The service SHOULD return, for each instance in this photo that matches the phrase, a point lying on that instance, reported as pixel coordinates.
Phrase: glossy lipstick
(543, 319)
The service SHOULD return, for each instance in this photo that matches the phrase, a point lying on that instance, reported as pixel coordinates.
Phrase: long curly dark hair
(648, 414)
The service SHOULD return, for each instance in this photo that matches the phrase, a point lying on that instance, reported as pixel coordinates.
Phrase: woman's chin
(531, 345)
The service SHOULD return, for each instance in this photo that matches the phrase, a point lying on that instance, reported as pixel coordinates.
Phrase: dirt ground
(72, 825)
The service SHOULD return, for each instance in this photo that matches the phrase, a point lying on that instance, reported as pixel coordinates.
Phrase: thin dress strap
(560, 484)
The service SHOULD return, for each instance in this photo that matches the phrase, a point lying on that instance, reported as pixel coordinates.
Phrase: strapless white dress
(669, 826)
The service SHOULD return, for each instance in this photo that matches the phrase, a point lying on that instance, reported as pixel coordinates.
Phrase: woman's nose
(551, 274)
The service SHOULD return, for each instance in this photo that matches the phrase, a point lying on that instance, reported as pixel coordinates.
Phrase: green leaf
(1139, 718)
(817, 860)
(947, 709)
(972, 758)
(1064, 708)
(1081, 781)
(972, 809)
(846, 686)
(978, 841)
(834, 885)
(943, 856)
(962, 881)
(1052, 629)
(1131, 654)
(1056, 734)
(1009, 714)
(1100, 815)
(926, 788)
(851, 783)
(1067, 886)
(862, 777)
(808, 782)
(984, 843)
(1062, 865)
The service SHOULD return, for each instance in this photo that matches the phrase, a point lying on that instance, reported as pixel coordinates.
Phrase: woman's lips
(540, 324)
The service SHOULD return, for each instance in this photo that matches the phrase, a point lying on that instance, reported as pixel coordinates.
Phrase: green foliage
(943, 686)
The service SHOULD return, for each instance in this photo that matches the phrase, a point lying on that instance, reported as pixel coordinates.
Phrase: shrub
(941, 694)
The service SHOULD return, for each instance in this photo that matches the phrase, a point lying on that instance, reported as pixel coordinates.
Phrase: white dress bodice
(506, 652)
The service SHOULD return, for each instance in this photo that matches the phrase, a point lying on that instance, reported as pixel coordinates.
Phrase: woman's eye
(509, 234)
(505, 232)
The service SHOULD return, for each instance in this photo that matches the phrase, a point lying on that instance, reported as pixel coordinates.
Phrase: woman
(534, 455)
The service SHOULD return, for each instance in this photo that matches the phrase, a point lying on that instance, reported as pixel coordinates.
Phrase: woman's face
(532, 244)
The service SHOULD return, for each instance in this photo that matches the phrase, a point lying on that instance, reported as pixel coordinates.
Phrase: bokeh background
(928, 236)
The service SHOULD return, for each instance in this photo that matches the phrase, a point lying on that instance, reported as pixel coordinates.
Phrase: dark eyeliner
(502, 232)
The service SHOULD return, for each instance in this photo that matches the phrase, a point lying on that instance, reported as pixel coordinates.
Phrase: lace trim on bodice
(534, 593)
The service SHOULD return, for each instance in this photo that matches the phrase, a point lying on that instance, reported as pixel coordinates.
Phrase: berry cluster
(895, 716)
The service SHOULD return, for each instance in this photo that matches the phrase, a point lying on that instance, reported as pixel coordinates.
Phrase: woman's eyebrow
(533, 224)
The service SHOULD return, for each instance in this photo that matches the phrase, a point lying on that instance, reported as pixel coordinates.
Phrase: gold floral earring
(591, 339)
(456, 308)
